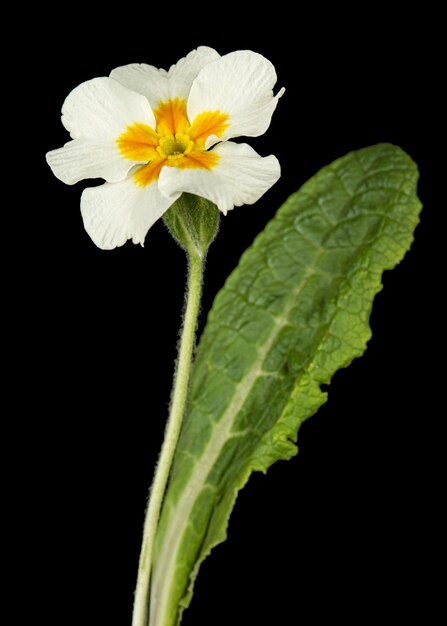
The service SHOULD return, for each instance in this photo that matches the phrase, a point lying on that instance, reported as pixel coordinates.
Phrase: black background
(347, 530)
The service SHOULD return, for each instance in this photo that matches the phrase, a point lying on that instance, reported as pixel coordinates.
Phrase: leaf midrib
(198, 478)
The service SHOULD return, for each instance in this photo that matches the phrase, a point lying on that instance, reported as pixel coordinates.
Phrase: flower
(153, 134)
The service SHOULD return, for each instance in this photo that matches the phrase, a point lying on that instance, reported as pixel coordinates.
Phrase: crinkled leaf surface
(294, 311)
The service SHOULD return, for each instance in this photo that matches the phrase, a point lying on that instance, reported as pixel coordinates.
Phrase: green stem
(178, 401)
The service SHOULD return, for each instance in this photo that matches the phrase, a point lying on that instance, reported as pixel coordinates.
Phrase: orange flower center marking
(174, 142)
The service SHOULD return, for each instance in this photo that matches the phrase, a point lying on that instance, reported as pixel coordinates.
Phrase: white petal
(86, 158)
(114, 213)
(239, 84)
(144, 79)
(159, 85)
(240, 177)
(184, 72)
(101, 108)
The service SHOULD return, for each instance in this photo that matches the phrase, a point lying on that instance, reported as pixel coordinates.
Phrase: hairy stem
(178, 401)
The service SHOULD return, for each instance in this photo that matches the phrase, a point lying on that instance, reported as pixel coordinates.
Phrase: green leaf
(294, 311)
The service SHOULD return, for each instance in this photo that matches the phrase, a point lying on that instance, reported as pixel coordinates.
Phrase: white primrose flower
(153, 134)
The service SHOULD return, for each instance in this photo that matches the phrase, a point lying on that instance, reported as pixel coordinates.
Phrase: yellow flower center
(175, 146)
(174, 142)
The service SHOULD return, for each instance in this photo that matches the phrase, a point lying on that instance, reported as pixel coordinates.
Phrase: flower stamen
(175, 146)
